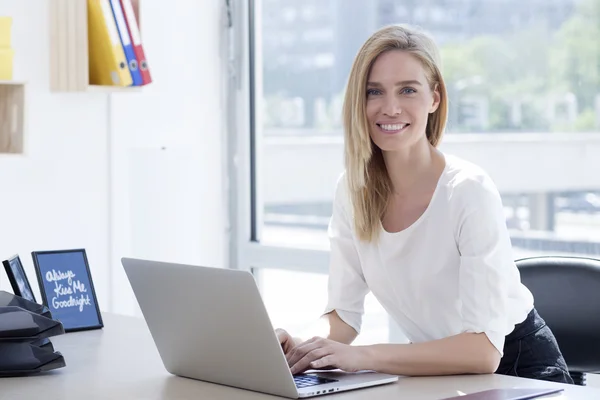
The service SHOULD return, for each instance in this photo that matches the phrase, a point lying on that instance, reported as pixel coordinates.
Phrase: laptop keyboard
(303, 381)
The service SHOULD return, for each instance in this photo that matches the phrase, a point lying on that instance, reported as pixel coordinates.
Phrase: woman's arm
(465, 353)
(339, 330)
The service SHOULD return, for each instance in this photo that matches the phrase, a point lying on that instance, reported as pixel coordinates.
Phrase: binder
(138, 48)
(5, 31)
(108, 64)
(6, 52)
(126, 42)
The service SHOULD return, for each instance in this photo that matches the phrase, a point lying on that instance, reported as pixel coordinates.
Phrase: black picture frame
(59, 297)
(18, 278)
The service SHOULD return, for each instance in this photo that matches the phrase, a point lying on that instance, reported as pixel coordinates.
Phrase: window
(524, 83)
(296, 299)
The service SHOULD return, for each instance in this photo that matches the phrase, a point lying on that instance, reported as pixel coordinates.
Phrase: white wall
(95, 174)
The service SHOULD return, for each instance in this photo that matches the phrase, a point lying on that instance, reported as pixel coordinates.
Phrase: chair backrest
(566, 293)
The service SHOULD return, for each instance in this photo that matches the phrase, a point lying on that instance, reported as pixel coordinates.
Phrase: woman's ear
(436, 99)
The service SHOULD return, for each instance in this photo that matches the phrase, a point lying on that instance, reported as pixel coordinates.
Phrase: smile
(392, 128)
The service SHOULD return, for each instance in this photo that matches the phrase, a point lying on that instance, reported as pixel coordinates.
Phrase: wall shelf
(69, 56)
(12, 110)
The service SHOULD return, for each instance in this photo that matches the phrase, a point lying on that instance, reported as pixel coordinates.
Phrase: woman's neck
(410, 168)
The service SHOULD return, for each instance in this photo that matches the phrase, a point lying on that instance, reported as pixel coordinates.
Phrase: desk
(121, 362)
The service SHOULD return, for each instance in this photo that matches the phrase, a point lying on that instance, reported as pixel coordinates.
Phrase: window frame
(246, 252)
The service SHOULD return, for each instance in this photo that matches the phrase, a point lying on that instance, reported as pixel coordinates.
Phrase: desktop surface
(121, 362)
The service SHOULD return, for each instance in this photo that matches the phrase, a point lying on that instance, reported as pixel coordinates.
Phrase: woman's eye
(408, 91)
(371, 92)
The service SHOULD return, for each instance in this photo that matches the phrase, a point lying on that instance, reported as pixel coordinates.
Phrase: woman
(425, 232)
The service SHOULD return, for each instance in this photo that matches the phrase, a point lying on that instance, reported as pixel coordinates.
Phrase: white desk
(121, 362)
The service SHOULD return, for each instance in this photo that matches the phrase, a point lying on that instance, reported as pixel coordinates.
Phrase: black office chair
(567, 296)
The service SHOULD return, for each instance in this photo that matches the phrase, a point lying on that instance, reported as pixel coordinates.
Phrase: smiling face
(399, 100)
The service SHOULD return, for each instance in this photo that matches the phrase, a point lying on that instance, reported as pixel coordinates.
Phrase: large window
(295, 299)
(524, 83)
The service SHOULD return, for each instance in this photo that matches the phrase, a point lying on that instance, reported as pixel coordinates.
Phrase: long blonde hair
(368, 181)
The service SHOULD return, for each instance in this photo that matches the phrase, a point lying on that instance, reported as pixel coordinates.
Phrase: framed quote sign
(67, 288)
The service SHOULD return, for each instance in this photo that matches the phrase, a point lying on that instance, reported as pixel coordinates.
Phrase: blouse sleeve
(346, 285)
(486, 261)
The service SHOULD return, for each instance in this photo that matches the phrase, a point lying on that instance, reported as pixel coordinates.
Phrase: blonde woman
(423, 231)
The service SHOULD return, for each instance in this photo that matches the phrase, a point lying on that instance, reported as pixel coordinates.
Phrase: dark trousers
(531, 351)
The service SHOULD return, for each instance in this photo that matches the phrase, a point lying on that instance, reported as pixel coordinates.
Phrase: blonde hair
(369, 184)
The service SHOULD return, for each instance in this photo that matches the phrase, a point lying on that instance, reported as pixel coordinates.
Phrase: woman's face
(399, 100)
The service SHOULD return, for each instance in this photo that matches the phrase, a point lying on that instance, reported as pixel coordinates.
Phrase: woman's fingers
(325, 362)
(304, 363)
(285, 339)
(301, 350)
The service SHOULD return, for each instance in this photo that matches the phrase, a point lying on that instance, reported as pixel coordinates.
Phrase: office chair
(567, 295)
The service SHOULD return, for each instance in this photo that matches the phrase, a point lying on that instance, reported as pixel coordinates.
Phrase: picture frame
(18, 278)
(67, 288)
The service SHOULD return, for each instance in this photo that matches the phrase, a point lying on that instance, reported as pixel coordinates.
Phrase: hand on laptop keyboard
(286, 340)
(320, 353)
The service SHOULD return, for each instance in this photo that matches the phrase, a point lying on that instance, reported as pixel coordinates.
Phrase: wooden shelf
(69, 60)
(12, 110)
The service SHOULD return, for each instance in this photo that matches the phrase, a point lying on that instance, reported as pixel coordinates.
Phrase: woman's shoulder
(341, 196)
(468, 183)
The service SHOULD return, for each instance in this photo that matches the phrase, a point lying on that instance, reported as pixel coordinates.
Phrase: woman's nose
(392, 107)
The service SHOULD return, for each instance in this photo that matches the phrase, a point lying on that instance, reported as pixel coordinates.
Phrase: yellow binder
(6, 64)
(108, 65)
(5, 27)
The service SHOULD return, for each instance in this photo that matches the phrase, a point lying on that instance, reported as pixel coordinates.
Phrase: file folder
(138, 48)
(108, 64)
(5, 31)
(126, 42)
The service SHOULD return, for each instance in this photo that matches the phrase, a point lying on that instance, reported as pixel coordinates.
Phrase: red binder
(136, 40)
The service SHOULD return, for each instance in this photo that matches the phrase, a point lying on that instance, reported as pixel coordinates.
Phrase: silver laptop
(211, 324)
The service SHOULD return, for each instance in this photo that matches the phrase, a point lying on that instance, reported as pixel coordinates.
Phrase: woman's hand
(285, 340)
(320, 353)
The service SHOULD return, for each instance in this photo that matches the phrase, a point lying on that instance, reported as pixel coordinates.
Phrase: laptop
(211, 324)
(509, 394)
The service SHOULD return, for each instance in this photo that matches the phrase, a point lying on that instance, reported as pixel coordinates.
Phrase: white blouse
(451, 271)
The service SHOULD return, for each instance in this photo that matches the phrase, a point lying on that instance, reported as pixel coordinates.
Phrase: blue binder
(132, 62)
